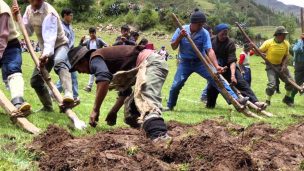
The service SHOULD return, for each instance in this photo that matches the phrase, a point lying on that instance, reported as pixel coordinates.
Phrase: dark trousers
(242, 86)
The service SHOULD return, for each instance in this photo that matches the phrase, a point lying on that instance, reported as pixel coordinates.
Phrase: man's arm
(4, 32)
(177, 37)
(99, 68)
(49, 34)
(213, 60)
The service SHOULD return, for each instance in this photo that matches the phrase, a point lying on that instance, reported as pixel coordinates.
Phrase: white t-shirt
(93, 44)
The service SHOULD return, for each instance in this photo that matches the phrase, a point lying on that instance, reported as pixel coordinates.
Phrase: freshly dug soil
(210, 145)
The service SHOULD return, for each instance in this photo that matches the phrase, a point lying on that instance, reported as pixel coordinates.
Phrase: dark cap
(280, 30)
(76, 54)
(198, 17)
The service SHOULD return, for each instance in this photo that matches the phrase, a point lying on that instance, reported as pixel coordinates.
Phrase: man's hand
(283, 68)
(83, 38)
(220, 69)
(123, 39)
(15, 11)
(94, 117)
(43, 60)
(233, 80)
(183, 33)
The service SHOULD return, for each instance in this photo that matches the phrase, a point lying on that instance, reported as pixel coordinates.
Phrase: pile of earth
(210, 145)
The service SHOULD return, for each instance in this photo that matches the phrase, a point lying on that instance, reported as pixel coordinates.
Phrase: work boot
(45, 99)
(87, 89)
(261, 105)
(21, 105)
(288, 101)
(65, 78)
(243, 100)
(16, 87)
(163, 141)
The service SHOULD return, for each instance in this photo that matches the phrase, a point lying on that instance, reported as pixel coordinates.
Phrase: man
(144, 105)
(189, 62)
(93, 43)
(298, 50)
(125, 38)
(67, 17)
(163, 53)
(10, 58)
(40, 17)
(225, 49)
(244, 63)
(277, 52)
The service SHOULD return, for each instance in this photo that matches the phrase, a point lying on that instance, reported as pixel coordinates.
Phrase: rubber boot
(16, 86)
(45, 99)
(65, 78)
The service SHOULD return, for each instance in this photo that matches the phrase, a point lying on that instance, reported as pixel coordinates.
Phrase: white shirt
(49, 30)
(93, 44)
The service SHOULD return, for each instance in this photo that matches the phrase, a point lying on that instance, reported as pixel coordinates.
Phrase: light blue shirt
(200, 38)
(298, 50)
(69, 33)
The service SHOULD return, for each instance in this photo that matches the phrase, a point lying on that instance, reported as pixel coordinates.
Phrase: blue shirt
(200, 38)
(298, 50)
(69, 33)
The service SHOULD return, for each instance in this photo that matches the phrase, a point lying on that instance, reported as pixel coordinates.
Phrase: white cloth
(93, 44)
(49, 30)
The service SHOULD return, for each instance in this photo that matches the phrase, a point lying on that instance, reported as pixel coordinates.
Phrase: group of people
(127, 64)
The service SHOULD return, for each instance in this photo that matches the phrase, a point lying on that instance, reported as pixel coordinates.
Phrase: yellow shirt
(275, 52)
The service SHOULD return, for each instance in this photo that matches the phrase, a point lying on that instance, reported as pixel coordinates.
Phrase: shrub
(146, 18)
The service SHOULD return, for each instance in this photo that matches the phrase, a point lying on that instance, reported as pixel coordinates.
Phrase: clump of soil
(210, 145)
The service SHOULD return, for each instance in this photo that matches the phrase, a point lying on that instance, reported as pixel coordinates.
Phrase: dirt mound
(210, 145)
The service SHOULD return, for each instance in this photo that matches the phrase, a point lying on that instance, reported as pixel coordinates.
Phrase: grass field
(13, 141)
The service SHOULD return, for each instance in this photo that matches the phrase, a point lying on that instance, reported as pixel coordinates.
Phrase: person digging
(225, 51)
(277, 52)
(11, 59)
(40, 17)
(143, 106)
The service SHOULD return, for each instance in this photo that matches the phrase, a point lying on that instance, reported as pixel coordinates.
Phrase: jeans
(247, 75)
(241, 85)
(184, 70)
(204, 93)
(74, 84)
(11, 62)
(91, 80)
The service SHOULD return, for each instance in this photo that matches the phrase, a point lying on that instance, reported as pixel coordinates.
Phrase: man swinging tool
(10, 58)
(41, 18)
(225, 49)
(190, 63)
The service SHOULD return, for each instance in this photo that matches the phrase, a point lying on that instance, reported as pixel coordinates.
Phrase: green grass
(268, 31)
(13, 141)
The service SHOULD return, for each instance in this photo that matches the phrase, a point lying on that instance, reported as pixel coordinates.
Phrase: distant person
(67, 18)
(134, 36)
(298, 50)
(92, 43)
(244, 63)
(124, 38)
(277, 52)
(163, 53)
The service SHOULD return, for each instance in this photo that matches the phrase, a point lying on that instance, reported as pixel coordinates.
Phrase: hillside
(280, 6)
